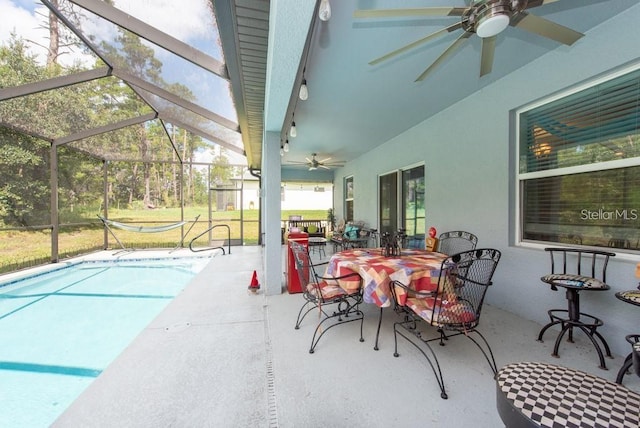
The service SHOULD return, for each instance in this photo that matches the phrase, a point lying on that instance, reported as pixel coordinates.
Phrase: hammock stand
(148, 229)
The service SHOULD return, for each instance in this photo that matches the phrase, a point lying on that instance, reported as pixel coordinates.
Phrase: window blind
(597, 124)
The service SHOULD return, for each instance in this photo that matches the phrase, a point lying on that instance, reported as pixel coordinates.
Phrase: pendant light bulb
(281, 151)
(293, 132)
(286, 146)
(304, 91)
(324, 13)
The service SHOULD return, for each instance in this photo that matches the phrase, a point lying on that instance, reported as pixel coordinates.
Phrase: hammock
(142, 229)
(148, 229)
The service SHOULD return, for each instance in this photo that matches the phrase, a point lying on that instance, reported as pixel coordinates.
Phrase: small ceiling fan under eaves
(314, 163)
(486, 18)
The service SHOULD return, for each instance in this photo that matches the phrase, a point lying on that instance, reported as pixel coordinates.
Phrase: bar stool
(632, 297)
(570, 277)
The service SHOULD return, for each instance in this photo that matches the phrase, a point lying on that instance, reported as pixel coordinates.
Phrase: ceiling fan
(314, 163)
(486, 18)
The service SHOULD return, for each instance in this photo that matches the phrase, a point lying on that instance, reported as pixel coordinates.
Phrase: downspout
(257, 173)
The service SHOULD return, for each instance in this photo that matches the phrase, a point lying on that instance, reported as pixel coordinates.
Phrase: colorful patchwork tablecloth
(418, 268)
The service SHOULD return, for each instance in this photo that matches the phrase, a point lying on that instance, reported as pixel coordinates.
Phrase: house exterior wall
(469, 176)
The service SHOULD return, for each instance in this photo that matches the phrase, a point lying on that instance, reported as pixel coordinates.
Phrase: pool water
(59, 330)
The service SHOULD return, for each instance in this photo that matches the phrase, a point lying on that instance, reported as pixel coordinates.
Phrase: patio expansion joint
(272, 405)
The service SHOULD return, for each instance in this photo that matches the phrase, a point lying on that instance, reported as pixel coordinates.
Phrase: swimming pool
(60, 329)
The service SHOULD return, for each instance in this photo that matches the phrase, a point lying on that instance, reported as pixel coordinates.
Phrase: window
(348, 199)
(579, 166)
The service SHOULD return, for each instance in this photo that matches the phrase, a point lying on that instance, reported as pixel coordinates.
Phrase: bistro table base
(533, 394)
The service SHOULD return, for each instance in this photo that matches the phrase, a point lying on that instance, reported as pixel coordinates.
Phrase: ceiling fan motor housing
(488, 18)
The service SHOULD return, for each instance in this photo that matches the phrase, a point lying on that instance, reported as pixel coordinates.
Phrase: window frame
(521, 177)
(349, 193)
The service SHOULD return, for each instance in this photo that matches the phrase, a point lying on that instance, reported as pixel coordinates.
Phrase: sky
(187, 20)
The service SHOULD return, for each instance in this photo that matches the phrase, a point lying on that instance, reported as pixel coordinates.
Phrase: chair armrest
(349, 275)
(401, 292)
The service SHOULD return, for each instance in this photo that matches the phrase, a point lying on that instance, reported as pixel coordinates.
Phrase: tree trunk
(54, 36)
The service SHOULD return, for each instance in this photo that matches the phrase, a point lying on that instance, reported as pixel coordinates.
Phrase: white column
(271, 175)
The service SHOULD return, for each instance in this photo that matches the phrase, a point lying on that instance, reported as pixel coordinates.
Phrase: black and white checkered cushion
(555, 397)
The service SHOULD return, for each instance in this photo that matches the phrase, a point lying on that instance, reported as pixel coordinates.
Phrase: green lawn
(19, 249)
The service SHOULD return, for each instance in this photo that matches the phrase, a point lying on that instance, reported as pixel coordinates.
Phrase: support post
(270, 192)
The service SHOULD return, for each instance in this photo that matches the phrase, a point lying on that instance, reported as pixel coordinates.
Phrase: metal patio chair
(456, 241)
(337, 303)
(453, 309)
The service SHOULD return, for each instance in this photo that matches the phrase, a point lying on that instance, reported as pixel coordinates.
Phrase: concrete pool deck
(219, 356)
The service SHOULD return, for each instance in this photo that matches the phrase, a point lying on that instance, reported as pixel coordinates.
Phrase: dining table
(417, 268)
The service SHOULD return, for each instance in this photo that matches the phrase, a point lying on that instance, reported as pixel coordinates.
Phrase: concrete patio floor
(219, 356)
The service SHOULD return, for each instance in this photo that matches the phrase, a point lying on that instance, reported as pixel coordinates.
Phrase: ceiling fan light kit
(485, 18)
(492, 25)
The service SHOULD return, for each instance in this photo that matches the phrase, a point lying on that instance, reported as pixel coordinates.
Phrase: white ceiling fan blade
(486, 58)
(309, 160)
(323, 166)
(416, 43)
(422, 11)
(451, 49)
(544, 27)
(324, 160)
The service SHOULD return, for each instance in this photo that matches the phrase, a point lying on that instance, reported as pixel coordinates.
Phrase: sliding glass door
(413, 219)
(388, 203)
(401, 204)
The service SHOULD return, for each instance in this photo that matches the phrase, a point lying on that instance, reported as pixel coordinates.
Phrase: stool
(632, 297)
(531, 394)
(319, 244)
(571, 318)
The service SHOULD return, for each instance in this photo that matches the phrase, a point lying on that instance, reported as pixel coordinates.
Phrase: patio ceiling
(354, 107)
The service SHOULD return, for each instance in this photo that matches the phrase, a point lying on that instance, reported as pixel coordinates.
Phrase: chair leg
(590, 333)
(628, 362)
(316, 337)
(301, 316)
(488, 353)
(555, 320)
(435, 368)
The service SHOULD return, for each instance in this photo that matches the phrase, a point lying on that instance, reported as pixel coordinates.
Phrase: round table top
(629, 296)
(576, 282)
(550, 396)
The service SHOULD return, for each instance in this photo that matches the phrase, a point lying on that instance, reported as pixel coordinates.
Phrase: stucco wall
(466, 150)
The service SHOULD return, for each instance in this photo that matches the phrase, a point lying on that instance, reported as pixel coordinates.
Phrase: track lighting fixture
(324, 12)
(304, 91)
